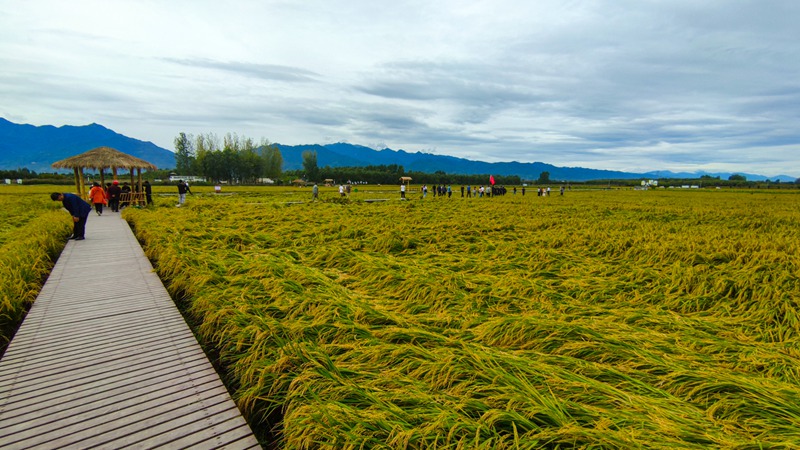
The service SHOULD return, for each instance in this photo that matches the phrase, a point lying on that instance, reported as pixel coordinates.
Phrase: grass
(32, 235)
(601, 319)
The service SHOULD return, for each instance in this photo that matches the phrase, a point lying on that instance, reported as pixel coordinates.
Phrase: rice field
(600, 319)
(33, 230)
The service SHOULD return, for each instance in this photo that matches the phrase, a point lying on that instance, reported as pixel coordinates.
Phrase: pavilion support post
(102, 178)
(133, 187)
(77, 181)
(114, 172)
(83, 185)
(142, 201)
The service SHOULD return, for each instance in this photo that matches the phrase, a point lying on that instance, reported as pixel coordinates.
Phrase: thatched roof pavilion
(101, 158)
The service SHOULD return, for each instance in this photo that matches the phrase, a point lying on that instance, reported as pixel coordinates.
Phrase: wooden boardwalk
(104, 359)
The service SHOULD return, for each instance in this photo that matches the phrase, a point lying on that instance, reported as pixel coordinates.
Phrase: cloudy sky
(630, 85)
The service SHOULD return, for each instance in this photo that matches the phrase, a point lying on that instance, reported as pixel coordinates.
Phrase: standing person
(98, 197)
(402, 191)
(462, 190)
(315, 192)
(469, 191)
(523, 191)
(79, 210)
(183, 188)
(562, 190)
(341, 190)
(424, 190)
(114, 193)
(148, 192)
(449, 191)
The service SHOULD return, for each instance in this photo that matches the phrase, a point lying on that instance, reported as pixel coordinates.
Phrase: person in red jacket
(98, 197)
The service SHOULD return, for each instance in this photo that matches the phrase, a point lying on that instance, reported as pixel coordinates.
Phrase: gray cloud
(261, 71)
(625, 85)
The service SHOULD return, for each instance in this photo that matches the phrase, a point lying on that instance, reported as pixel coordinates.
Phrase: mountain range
(37, 147)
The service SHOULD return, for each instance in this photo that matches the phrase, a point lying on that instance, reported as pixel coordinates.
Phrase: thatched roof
(102, 157)
(405, 178)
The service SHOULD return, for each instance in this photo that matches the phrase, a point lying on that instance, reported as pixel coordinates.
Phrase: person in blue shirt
(79, 210)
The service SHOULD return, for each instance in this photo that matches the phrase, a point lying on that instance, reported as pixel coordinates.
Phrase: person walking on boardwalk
(183, 188)
(114, 192)
(79, 210)
(98, 197)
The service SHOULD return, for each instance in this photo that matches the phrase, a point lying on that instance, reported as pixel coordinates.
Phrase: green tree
(233, 158)
(310, 165)
(206, 161)
(184, 154)
(251, 165)
(737, 177)
(213, 166)
(544, 178)
(273, 161)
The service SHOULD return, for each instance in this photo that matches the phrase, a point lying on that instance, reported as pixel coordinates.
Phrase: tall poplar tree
(184, 154)
(310, 165)
(273, 161)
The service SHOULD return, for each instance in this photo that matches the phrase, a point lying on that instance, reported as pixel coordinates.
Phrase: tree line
(387, 174)
(242, 160)
(232, 158)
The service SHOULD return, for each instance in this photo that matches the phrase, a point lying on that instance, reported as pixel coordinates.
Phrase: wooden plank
(121, 389)
(108, 360)
(76, 379)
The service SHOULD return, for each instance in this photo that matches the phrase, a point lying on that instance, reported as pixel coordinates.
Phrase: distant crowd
(469, 191)
(446, 190)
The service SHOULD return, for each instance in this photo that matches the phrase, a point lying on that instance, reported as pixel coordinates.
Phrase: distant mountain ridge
(343, 154)
(37, 147)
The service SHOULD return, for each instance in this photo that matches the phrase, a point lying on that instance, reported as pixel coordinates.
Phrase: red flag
(491, 179)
